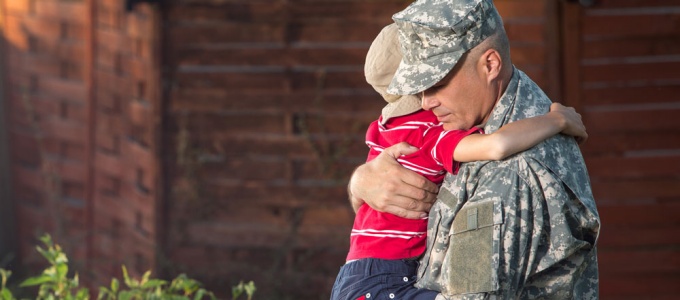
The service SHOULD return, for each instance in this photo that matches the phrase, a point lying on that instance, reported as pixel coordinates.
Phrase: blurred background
(216, 137)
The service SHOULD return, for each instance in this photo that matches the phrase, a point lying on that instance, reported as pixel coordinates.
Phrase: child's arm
(521, 135)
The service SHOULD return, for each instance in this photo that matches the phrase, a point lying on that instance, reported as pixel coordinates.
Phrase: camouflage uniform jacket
(521, 228)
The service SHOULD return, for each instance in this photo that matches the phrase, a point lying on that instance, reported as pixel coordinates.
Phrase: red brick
(109, 82)
(139, 113)
(110, 124)
(43, 29)
(70, 11)
(139, 26)
(64, 129)
(113, 41)
(71, 90)
(18, 7)
(109, 164)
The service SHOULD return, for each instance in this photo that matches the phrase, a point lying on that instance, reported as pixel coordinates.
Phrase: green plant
(55, 284)
(5, 293)
(248, 288)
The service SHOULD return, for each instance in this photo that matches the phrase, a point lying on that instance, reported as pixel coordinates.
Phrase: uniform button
(405, 279)
(391, 296)
(368, 295)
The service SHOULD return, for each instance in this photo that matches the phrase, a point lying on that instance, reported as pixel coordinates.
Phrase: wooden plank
(633, 167)
(357, 101)
(636, 3)
(571, 57)
(274, 56)
(621, 142)
(639, 261)
(379, 12)
(226, 33)
(515, 10)
(631, 47)
(650, 119)
(227, 12)
(615, 237)
(639, 286)
(333, 32)
(632, 94)
(523, 54)
(531, 32)
(631, 71)
(661, 22)
(651, 215)
(625, 167)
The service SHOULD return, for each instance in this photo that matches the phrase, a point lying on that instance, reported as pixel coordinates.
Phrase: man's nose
(427, 101)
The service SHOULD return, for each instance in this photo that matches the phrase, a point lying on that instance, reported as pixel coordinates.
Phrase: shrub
(55, 284)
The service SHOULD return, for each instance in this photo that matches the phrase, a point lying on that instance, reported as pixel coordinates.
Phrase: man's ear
(492, 64)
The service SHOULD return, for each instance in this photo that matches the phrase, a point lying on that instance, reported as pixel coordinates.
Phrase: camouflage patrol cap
(382, 60)
(434, 34)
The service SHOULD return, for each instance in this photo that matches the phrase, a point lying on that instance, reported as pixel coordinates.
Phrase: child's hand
(573, 125)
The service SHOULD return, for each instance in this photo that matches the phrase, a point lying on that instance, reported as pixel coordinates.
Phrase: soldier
(382, 259)
(524, 227)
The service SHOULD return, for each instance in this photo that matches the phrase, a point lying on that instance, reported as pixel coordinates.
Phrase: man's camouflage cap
(434, 34)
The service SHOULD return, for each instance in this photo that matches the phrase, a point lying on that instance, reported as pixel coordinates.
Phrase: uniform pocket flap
(475, 215)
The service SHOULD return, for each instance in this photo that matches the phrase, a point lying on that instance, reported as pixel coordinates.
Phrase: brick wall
(47, 108)
(82, 116)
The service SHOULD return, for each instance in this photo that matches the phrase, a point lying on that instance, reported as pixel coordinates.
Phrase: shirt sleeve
(373, 141)
(444, 145)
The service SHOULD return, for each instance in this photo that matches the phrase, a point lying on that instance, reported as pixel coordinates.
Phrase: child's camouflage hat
(434, 34)
(382, 60)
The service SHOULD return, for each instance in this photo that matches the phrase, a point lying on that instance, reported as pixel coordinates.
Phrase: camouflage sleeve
(502, 236)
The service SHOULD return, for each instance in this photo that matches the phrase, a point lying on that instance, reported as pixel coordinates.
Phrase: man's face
(460, 100)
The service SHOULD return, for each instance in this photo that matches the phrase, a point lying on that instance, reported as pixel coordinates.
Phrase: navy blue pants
(378, 279)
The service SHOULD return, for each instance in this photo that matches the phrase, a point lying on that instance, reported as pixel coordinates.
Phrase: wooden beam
(7, 223)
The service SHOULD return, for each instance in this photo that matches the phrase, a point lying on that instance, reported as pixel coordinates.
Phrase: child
(384, 248)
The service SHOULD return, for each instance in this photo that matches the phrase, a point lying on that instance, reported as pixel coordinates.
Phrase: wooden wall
(215, 137)
(625, 80)
(267, 109)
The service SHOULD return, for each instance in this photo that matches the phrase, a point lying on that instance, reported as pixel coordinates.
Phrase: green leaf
(62, 270)
(46, 254)
(4, 275)
(237, 290)
(83, 294)
(60, 257)
(199, 294)
(125, 295)
(46, 239)
(153, 283)
(114, 285)
(103, 292)
(6, 295)
(250, 289)
(37, 280)
(145, 277)
(128, 281)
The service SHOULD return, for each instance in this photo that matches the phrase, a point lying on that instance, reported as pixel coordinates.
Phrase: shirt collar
(500, 113)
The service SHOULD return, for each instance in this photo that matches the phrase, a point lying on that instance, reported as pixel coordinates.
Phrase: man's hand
(388, 187)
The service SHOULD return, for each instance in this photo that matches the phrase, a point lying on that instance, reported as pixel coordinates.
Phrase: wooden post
(7, 225)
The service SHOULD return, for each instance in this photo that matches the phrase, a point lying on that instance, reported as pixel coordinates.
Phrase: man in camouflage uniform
(521, 228)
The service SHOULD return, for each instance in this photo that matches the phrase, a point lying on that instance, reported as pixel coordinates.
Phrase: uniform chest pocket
(473, 254)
